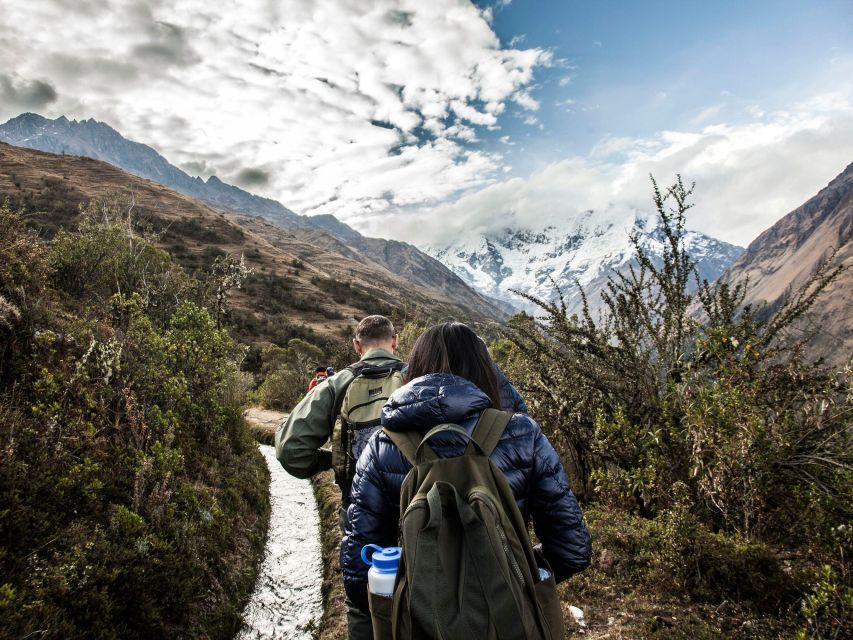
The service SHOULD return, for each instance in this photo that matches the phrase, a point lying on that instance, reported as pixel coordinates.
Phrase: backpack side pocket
(380, 614)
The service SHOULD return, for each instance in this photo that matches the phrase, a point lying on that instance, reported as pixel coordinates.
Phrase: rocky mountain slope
(93, 139)
(785, 256)
(587, 248)
(302, 277)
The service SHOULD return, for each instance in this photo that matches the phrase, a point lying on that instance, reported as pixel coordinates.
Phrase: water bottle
(383, 568)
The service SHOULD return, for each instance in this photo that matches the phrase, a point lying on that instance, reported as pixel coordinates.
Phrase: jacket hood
(433, 399)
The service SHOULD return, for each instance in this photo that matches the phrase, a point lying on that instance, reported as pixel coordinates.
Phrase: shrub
(138, 496)
(696, 406)
(288, 372)
(282, 389)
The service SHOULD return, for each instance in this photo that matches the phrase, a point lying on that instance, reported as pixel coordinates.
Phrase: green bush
(671, 556)
(282, 389)
(134, 501)
(288, 372)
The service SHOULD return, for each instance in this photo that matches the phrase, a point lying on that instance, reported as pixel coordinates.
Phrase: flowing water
(287, 603)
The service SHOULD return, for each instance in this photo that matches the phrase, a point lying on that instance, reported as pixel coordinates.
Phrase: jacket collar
(431, 400)
(377, 353)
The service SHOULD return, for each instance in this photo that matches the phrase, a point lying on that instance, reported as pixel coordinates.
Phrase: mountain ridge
(93, 139)
(299, 277)
(783, 258)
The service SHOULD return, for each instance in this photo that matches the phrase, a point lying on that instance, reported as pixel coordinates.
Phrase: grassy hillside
(783, 258)
(303, 283)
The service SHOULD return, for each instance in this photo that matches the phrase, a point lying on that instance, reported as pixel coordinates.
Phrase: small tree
(287, 373)
(228, 273)
(110, 254)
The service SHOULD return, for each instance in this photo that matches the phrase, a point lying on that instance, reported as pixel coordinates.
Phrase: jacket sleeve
(299, 439)
(511, 399)
(557, 518)
(370, 519)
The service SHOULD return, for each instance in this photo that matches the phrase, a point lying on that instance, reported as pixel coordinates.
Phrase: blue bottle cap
(386, 559)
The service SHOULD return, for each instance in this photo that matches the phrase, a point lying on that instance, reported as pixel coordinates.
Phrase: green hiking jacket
(299, 440)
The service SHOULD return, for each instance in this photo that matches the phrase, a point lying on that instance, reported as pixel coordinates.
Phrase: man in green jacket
(299, 440)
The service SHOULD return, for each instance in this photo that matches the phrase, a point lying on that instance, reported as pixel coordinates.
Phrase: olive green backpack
(360, 416)
(468, 569)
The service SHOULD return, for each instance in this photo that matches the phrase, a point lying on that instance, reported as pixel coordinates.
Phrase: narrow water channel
(287, 603)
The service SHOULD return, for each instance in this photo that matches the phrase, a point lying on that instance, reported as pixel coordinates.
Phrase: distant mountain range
(93, 139)
(304, 280)
(471, 276)
(586, 249)
(783, 258)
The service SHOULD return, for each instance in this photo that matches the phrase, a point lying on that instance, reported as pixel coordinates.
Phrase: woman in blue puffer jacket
(451, 378)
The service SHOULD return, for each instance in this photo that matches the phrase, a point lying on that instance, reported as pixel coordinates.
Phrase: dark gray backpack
(467, 569)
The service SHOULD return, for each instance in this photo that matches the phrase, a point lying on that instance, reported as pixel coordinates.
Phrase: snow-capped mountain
(587, 248)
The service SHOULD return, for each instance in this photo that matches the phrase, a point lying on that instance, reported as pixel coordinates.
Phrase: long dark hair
(453, 347)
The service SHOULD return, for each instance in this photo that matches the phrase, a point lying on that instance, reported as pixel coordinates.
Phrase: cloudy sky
(422, 120)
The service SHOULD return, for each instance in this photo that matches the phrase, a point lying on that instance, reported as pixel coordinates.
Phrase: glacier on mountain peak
(586, 248)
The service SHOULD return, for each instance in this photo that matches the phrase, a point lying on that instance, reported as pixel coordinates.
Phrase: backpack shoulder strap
(407, 442)
(357, 367)
(489, 429)
(363, 368)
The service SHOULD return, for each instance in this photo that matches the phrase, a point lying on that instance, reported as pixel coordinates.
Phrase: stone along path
(286, 602)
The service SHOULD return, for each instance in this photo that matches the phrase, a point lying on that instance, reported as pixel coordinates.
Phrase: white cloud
(469, 113)
(322, 96)
(610, 145)
(747, 176)
(525, 101)
(707, 114)
(568, 104)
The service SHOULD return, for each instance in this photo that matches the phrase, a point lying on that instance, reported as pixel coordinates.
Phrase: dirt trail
(264, 418)
(263, 423)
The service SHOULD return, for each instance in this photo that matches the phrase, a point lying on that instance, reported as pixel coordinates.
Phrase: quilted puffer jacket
(511, 399)
(524, 454)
